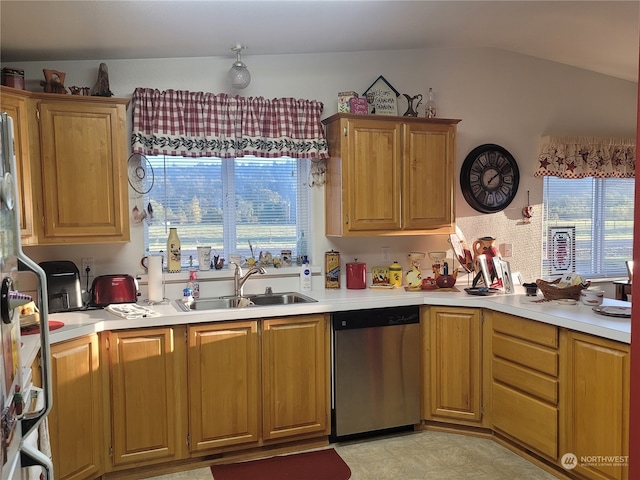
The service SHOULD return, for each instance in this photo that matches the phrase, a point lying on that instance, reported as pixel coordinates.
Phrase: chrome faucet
(239, 279)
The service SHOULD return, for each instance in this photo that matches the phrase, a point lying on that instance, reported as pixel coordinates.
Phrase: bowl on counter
(592, 297)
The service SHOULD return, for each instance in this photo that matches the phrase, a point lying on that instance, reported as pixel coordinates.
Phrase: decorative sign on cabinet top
(382, 97)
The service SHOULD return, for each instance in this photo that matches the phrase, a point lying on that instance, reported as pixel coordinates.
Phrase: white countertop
(577, 317)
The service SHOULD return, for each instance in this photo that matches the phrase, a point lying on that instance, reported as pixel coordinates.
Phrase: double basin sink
(263, 299)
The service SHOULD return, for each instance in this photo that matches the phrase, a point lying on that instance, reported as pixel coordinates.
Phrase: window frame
(598, 265)
(229, 224)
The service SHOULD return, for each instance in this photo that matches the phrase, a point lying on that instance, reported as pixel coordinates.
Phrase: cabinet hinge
(106, 343)
(345, 131)
(482, 410)
(38, 114)
(186, 337)
(111, 451)
(188, 440)
(346, 219)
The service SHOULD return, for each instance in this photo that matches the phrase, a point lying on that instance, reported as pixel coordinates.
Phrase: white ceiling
(602, 36)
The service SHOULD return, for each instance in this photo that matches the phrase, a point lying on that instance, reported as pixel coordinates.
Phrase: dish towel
(131, 311)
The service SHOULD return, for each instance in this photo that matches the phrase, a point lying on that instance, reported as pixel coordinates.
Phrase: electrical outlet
(385, 254)
(506, 250)
(87, 263)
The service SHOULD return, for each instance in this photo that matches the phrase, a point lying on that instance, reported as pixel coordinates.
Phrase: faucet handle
(268, 291)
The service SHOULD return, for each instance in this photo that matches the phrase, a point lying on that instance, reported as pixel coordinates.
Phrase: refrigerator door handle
(31, 424)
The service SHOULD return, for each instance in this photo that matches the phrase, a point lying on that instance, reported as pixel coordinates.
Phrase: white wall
(501, 97)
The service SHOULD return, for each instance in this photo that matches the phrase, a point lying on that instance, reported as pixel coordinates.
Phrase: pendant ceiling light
(238, 75)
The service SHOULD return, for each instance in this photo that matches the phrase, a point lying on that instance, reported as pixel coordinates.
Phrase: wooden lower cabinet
(295, 376)
(452, 384)
(76, 420)
(595, 402)
(148, 395)
(524, 382)
(224, 385)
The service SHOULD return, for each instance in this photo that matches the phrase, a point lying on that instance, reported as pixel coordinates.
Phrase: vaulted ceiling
(601, 36)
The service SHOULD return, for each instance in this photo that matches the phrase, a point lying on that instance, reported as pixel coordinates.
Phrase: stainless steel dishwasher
(375, 370)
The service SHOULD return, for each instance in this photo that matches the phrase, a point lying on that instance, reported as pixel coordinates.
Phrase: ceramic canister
(356, 275)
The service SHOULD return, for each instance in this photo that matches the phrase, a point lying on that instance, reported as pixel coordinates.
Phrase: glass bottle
(430, 107)
(173, 251)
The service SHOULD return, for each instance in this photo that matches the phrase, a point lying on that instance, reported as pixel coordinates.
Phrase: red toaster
(108, 289)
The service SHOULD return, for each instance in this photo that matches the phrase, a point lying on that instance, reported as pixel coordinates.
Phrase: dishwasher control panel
(379, 317)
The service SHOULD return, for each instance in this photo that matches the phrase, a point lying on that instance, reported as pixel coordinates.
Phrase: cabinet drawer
(534, 383)
(529, 330)
(526, 419)
(526, 354)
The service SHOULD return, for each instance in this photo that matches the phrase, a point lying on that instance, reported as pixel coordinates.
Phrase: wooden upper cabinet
(373, 174)
(427, 176)
(15, 104)
(389, 175)
(83, 168)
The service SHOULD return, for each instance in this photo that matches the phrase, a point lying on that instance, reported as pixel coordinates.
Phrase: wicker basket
(551, 291)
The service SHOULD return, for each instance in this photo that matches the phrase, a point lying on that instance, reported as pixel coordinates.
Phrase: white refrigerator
(24, 407)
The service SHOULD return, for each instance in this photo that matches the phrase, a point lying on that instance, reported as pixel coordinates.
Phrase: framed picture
(507, 279)
(561, 249)
(382, 97)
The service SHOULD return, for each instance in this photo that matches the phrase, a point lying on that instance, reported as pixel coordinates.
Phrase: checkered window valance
(198, 124)
(579, 157)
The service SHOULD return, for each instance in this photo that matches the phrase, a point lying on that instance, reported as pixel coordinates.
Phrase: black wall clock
(489, 178)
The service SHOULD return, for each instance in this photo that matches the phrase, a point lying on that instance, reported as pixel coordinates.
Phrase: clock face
(489, 178)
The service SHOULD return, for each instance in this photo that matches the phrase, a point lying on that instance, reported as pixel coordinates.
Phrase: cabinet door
(148, 394)
(596, 401)
(75, 421)
(374, 175)
(427, 178)
(15, 106)
(453, 387)
(295, 383)
(84, 183)
(224, 384)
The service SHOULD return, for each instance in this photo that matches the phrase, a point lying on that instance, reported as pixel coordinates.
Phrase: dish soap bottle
(305, 275)
(173, 251)
(194, 285)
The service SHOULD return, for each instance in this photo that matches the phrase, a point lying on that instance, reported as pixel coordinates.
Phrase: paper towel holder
(155, 278)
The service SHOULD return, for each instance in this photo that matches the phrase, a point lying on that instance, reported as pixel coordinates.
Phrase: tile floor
(421, 455)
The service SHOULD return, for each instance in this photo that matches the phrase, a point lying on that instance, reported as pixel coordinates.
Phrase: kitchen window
(229, 203)
(601, 210)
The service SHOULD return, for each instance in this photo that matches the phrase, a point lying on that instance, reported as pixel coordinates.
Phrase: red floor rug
(317, 465)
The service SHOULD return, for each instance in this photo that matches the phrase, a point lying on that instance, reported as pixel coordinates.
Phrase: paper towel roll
(155, 278)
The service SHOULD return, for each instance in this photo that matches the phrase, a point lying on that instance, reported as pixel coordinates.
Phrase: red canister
(356, 275)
